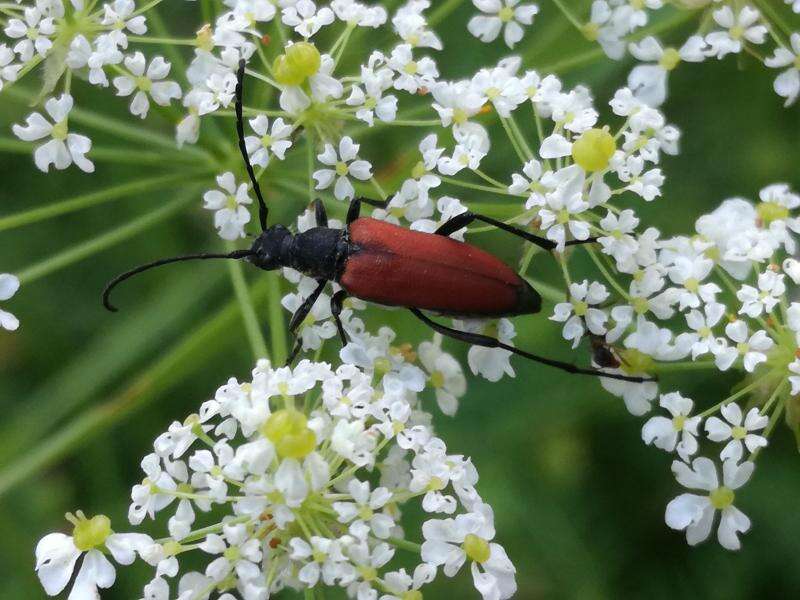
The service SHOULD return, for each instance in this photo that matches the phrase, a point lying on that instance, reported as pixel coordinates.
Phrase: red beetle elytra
(382, 263)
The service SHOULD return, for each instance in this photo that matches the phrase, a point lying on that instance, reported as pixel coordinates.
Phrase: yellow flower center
(437, 379)
(90, 533)
(692, 284)
(593, 149)
(721, 498)
(411, 68)
(60, 131)
(670, 59)
(341, 169)
(771, 211)
(301, 61)
(288, 430)
(739, 432)
(506, 14)
(476, 548)
(678, 422)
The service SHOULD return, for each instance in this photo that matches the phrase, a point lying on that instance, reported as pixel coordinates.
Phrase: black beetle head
(271, 248)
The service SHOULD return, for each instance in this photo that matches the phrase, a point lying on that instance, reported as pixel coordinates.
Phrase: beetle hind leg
(336, 310)
(460, 221)
(486, 341)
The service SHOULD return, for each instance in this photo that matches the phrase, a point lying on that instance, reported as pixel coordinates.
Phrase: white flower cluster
(723, 27)
(78, 38)
(296, 479)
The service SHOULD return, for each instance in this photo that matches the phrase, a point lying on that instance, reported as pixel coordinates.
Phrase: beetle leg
(353, 211)
(489, 342)
(336, 310)
(355, 207)
(298, 343)
(305, 308)
(465, 218)
(320, 214)
(262, 207)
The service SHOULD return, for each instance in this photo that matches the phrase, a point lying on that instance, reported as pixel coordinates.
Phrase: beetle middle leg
(300, 314)
(465, 218)
(336, 309)
(486, 341)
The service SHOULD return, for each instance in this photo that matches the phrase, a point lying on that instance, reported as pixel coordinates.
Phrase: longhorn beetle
(382, 263)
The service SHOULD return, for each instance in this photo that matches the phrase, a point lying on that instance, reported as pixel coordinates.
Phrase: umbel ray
(385, 264)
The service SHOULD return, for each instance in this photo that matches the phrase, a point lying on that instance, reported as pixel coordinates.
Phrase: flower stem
(110, 238)
(405, 545)
(42, 213)
(251, 325)
(568, 14)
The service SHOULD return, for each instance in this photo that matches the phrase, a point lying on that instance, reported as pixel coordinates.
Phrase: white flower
(423, 179)
(751, 348)
(762, 300)
(363, 513)
(448, 208)
(445, 375)
(8, 70)
(581, 309)
(649, 82)
(411, 26)
(665, 433)
(57, 553)
(146, 83)
(787, 84)
(740, 28)
(400, 584)
(565, 201)
(490, 363)
(323, 559)
(703, 325)
(240, 552)
(502, 15)
(305, 18)
(323, 85)
(64, 148)
(620, 243)
(695, 513)
(120, 15)
(343, 165)
(450, 542)
(370, 100)
(739, 433)
(34, 33)
(411, 74)
(231, 214)
(9, 284)
(277, 140)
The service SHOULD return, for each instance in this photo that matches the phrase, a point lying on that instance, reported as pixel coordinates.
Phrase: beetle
(389, 265)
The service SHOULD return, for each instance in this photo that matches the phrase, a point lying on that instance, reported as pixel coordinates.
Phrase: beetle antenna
(236, 254)
(262, 206)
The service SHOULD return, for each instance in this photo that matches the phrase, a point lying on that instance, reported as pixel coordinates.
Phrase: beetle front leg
(320, 214)
(301, 313)
(355, 207)
(465, 218)
(477, 339)
(336, 309)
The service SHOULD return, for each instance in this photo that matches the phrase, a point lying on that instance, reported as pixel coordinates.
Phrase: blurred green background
(579, 500)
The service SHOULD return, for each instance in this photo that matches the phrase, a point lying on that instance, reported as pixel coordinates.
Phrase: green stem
(568, 14)
(110, 238)
(518, 132)
(277, 328)
(547, 291)
(252, 327)
(83, 201)
(405, 545)
(443, 11)
(686, 365)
